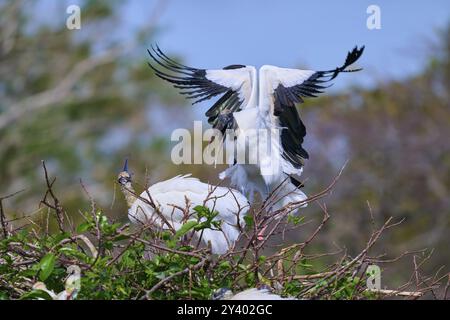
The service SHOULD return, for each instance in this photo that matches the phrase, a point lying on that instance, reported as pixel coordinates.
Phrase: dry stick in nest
(153, 205)
(300, 246)
(399, 291)
(167, 279)
(266, 220)
(284, 211)
(299, 254)
(210, 196)
(447, 286)
(56, 206)
(420, 280)
(415, 294)
(133, 237)
(162, 248)
(99, 236)
(3, 221)
(279, 256)
(259, 225)
(359, 258)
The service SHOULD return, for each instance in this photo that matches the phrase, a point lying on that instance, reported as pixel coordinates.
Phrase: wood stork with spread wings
(165, 203)
(258, 112)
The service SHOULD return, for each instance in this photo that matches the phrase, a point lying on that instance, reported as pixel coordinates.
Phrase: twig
(397, 293)
(56, 204)
(3, 221)
(179, 273)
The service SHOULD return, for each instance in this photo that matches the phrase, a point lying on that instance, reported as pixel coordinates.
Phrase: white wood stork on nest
(170, 198)
(246, 105)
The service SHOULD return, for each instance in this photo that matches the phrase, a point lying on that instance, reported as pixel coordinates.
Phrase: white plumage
(249, 294)
(268, 120)
(272, 172)
(172, 196)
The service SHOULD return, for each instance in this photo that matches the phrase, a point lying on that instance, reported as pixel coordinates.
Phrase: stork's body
(174, 196)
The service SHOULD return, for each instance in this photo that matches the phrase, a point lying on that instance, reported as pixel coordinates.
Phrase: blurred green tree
(80, 99)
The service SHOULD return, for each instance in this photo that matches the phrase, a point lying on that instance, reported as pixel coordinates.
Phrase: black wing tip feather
(194, 84)
(314, 85)
(287, 97)
(192, 80)
(234, 66)
(353, 56)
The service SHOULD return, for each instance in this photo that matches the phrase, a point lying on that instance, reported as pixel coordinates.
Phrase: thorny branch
(279, 269)
(3, 220)
(55, 205)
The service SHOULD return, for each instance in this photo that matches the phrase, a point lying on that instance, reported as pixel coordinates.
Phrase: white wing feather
(170, 195)
(239, 80)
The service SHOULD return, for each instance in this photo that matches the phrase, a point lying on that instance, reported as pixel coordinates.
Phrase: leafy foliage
(125, 263)
(395, 135)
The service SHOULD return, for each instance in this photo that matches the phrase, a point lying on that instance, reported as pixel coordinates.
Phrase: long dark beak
(125, 166)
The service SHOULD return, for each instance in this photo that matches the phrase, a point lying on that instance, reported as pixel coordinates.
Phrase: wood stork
(249, 294)
(249, 107)
(170, 199)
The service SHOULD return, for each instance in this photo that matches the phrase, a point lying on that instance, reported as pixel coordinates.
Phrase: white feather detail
(172, 194)
(258, 294)
(287, 193)
(287, 77)
(239, 80)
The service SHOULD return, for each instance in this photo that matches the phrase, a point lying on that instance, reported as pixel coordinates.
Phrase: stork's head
(222, 294)
(124, 176)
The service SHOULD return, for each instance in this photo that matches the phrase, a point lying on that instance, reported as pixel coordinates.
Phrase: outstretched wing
(232, 83)
(291, 86)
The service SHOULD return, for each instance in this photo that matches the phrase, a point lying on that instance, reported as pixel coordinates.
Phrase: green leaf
(67, 250)
(83, 227)
(171, 243)
(166, 235)
(121, 237)
(201, 211)
(103, 221)
(36, 294)
(185, 228)
(248, 221)
(47, 265)
(61, 236)
(295, 220)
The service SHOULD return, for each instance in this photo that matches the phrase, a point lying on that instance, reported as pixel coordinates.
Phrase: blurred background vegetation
(84, 100)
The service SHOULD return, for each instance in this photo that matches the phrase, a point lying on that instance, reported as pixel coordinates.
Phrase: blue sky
(289, 33)
(316, 34)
